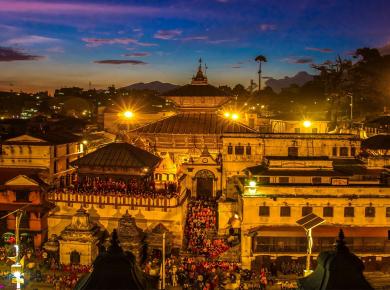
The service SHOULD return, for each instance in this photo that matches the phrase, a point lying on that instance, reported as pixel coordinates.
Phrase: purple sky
(48, 44)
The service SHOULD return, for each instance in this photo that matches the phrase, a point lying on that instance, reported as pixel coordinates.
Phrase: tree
(260, 58)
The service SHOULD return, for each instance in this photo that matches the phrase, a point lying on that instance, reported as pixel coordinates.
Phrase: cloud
(323, 50)
(267, 27)
(30, 40)
(236, 66)
(94, 42)
(219, 41)
(10, 54)
(61, 8)
(199, 37)
(137, 54)
(167, 34)
(120, 61)
(299, 60)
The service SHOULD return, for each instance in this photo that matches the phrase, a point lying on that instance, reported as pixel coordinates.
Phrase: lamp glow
(235, 116)
(128, 114)
(252, 183)
(227, 115)
(306, 124)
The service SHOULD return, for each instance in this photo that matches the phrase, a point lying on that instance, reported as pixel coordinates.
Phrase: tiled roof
(118, 155)
(377, 142)
(54, 138)
(196, 90)
(194, 123)
(7, 174)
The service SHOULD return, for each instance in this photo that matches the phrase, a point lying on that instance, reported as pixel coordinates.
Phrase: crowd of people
(135, 186)
(201, 229)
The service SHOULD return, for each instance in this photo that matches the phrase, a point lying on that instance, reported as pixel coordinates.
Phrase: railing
(119, 200)
(302, 248)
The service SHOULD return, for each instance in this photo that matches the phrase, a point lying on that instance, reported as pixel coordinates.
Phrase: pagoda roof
(195, 90)
(195, 123)
(377, 142)
(119, 154)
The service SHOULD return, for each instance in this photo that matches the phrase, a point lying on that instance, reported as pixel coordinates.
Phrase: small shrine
(154, 239)
(336, 270)
(130, 236)
(79, 240)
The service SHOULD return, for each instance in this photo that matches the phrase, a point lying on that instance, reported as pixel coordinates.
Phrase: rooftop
(119, 154)
(195, 123)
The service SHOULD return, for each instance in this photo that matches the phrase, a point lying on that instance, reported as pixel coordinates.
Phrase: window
(297, 130)
(21, 196)
(343, 151)
(349, 211)
(230, 149)
(316, 180)
(314, 130)
(334, 151)
(353, 151)
(293, 151)
(264, 180)
(248, 150)
(55, 166)
(239, 150)
(283, 179)
(285, 211)
(388, 212)
(306, 210)
(327, 211)
(369, 211)
(264, 210)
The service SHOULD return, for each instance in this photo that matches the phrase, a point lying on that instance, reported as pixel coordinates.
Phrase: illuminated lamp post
(128, 115)
(309, 222)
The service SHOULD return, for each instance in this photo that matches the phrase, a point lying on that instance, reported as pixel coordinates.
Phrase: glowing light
(128, 114)
(85, 142)
(252, 183)
(235, 116)
(306, 124)
(227, 115)
(236, 216)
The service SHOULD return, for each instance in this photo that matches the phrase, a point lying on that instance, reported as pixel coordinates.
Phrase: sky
(49, 44)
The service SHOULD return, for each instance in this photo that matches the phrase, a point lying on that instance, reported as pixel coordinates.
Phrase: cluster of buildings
(263, 181)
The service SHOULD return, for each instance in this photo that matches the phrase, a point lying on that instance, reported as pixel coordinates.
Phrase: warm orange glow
(306, 124)
(128, 114)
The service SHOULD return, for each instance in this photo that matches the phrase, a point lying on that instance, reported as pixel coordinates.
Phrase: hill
(153, 86)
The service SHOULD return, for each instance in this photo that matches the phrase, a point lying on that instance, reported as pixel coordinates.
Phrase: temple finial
(114, 243)
(340, 243)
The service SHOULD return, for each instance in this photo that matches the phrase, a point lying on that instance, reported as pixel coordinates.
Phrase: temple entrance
(75, 257)
(204, 184)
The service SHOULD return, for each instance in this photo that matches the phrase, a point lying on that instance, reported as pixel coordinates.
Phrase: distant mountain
(155, 86)
(299, 79)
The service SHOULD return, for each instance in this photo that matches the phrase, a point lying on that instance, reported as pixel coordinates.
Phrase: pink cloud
(120, 61)
(72, 8)
(30, 40)
(167, 34)
(137, 54)
(94, 42)
(268, 27)
(191, 38)
(323, 50)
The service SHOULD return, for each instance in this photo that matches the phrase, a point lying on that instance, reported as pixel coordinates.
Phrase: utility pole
(163, 262)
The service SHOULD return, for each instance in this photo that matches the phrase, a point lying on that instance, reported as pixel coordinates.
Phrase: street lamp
(128, 114)
(307, 124)
(309, 222)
